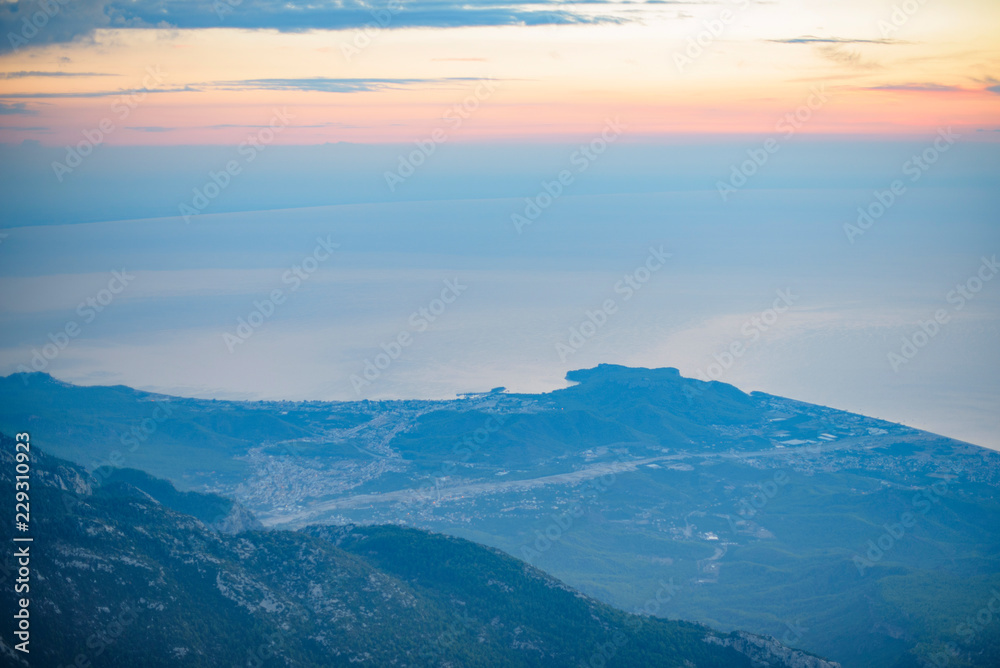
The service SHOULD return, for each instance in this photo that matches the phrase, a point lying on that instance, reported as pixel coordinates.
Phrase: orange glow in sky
(728, 68)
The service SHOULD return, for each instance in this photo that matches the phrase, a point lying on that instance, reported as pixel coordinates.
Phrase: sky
(198, 72)
(256, 200)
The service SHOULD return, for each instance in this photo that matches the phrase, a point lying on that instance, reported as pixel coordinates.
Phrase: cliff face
(766, 651)
(238, 520)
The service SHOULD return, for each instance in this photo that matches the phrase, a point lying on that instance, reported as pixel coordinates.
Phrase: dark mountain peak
(641, 395)
(46, 387)
(638, 378)
(34, 378)
(616, 373)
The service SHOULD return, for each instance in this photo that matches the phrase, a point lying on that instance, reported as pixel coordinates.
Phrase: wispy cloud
(81, 18)
(98, 93)
(809, 39)
(317, 84)
(846, 57)
(920, 87)
(328, 124)
(835, 49)
(226, 126)
(29, 74)
(16, 109)
(328, 85)
(993, 84)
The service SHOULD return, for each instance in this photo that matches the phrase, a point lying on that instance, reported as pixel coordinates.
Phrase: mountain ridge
(137, 579)
(622, 481)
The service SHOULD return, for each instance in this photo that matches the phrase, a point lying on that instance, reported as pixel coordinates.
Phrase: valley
(759, 509)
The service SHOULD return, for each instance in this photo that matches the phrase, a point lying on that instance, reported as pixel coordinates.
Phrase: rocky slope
(119, 577)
